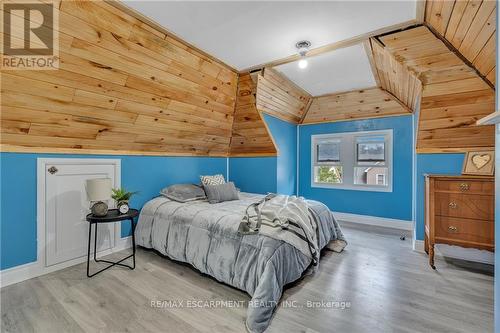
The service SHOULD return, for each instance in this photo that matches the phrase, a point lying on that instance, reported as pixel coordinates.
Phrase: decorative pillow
(221, 193)
(212, 180)
(184, 192)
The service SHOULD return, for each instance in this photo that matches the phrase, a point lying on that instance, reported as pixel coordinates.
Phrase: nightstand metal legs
(111, 263)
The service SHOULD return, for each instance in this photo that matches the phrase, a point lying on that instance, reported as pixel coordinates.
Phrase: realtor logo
(30, 36)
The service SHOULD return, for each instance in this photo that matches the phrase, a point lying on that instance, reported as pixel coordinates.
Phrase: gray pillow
(221, 192)
(184, 192)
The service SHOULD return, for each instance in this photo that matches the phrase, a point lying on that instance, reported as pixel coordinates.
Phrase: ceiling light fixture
(302, 49)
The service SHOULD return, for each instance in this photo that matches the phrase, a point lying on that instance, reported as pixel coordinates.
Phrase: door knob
(52, 170)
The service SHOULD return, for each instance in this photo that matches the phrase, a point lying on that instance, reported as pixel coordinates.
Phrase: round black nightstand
(113, 216)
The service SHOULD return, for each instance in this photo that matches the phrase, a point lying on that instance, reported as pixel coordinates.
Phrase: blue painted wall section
(396, 204)
(285, 137)
(146, 174)
(269, 174)
(254, 174)
(440, 164)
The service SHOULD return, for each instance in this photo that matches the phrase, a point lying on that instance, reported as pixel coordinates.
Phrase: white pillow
(213, 180)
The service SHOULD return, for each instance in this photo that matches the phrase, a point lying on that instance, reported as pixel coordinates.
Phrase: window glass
(328, 174)
(352, 160)
(328, 151)
(373, 175)
(370, 149)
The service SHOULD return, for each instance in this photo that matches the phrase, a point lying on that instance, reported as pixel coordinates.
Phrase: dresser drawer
(474, 231)
(465, 186)
(479, 207)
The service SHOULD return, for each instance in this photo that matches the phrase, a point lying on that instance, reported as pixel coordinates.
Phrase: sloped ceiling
(394, 76)
(127, 86)
(454, 95)
(250, 133)
(359, 104)
(469, 26)
(229, 31)
(280, 97)
(123, 87)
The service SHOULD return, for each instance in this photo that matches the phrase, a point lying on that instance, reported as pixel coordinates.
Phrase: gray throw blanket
(286, 218)
(206, 236)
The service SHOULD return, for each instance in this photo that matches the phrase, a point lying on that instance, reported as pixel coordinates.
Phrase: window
(357, 160)
(327, 169)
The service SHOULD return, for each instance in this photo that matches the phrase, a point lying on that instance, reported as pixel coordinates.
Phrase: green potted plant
(122, 196)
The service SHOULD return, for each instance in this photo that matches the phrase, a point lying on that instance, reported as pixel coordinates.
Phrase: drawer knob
(452, 205)
(464, 187)
(452, 228)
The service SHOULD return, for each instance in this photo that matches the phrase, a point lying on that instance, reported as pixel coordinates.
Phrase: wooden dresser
(459, 210)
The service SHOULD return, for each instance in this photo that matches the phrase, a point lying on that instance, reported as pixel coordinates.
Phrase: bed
(206, 236)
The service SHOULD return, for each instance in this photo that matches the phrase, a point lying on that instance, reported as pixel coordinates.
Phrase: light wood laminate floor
(390, 289)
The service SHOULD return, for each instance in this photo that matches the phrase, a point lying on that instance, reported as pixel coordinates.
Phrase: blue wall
(269, 174)
(145, 174)
(396, 204)
(254, 174)
(438, 164)
(285, 137)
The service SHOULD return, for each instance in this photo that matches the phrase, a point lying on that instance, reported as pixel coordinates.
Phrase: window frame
(348, 151)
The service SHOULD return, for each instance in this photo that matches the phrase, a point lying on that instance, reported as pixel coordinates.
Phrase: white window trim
(348, 160)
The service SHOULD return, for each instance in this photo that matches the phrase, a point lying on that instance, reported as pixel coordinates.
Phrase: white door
(66, 206)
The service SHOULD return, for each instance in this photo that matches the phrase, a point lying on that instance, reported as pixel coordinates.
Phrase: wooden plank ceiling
(279, 97)
(454, 95)
(393, 76)
(469, 26)
(126, 86)
(250, 133)
(122, 87)
(359, 104)
(397, 93)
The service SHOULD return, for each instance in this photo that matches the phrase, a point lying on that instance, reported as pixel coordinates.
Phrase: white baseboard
(457, 252)
(28, 271)
(375, 221)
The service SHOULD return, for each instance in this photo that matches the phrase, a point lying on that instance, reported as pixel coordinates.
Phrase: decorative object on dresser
(479, 163)
(113, 215)
(98, 192)
(122, 196)
(459, 210)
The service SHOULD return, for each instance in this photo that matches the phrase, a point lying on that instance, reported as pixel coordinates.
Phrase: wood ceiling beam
(335, 46)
